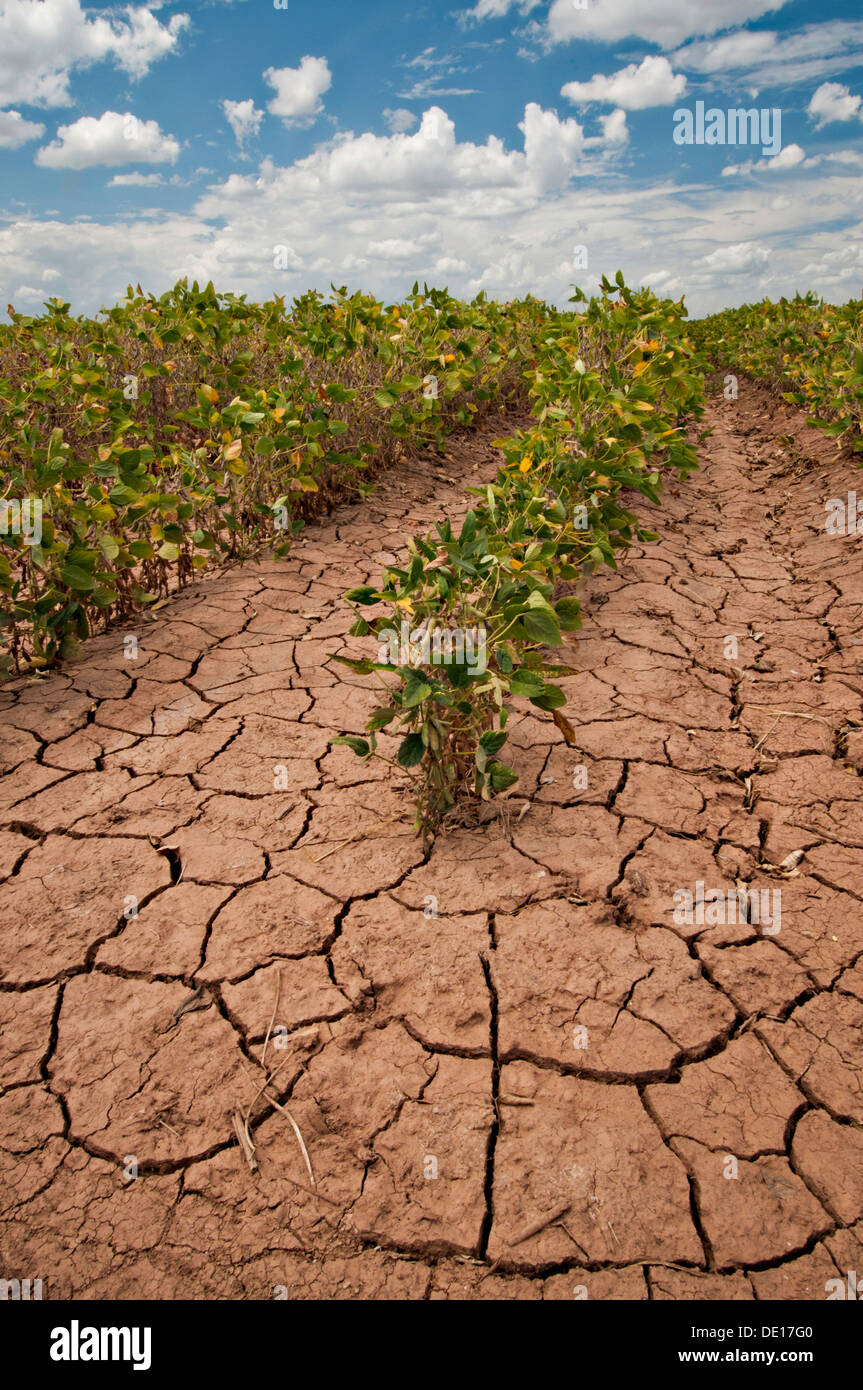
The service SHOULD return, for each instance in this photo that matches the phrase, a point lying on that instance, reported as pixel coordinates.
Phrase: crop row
(809, 351)
(139, 446)
(611, 389)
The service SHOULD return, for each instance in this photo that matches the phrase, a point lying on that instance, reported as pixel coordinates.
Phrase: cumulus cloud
(475, 215)
(244, 118)
(740, 256)
(450, 265)
(833, 102)
(399, 120)
(787, 158)
(614, 127)
(551, 146)
(43, 41)
(661, 22)
(111, 138)
(299, 90)
(15, 131)
(402, 248)
(652, 82)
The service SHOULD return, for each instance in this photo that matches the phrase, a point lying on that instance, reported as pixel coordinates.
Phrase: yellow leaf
(525, 464)
(406, 604)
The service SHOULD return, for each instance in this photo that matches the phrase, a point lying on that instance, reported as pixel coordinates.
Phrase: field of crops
(170, 433)
(429, 738)
(810, 351)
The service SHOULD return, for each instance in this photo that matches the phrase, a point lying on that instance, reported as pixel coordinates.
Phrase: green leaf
(360, 746)
(416, 690)
(364, 594)
(169, 552)
(381, 717)
(411, 751)
(501, 776)
(123, 496)
(552, 697)
(568, 613)
(75, 578)
(493, 740)
(385, 399)
(525, 682)
(363, 666)
(541, 627)
(142, 550)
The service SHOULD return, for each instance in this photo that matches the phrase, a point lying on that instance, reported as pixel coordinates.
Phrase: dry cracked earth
(514, 1074)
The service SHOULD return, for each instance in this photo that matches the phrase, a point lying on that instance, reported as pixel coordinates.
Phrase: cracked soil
(514, 1072)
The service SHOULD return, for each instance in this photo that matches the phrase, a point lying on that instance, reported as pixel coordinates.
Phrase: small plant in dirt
(610, 388)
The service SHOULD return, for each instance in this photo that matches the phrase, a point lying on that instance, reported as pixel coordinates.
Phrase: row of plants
(168, 433)
(612, 387)
(809, 351)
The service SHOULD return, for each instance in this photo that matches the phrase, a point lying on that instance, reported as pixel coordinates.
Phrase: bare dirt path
(514, 1072)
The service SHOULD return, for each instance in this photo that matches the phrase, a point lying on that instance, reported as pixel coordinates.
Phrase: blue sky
(274, 150)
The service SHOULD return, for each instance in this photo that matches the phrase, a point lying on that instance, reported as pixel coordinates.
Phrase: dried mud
(432, 1005)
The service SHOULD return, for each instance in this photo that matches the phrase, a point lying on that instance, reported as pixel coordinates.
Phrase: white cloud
(740, 256)
(429, 87)
(451, 265)
(495, 9)
(43, 41)
(135, 180)
(764, 58)
(244, 118)
(787, 158)
(614, 128)
(833, 102)
(652, 82)
(401, 248)
(15, 131)
(481, 215)
(299, 90)
(111, 138)
(662, 22)
(399, 120)
(551, 146)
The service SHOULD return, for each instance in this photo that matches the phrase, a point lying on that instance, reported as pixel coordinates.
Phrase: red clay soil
(549, 1088)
